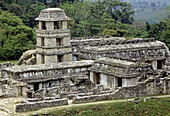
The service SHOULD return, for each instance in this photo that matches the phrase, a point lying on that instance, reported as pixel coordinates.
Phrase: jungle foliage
(88, 18)
(15, 37)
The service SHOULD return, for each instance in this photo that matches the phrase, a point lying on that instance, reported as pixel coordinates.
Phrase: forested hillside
(88, 18)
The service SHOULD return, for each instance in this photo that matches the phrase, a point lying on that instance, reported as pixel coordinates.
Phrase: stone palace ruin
(62, 69)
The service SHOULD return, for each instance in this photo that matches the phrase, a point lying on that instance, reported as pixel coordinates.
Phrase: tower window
(56, 25)
(43, 25)
(42, 59)
(42, 41)
(59, 41)
(60, 58)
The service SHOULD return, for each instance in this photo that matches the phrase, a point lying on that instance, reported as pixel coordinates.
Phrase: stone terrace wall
(40, 104)
(120, 68)
(45, 72)
(132, 52)
(149, 87)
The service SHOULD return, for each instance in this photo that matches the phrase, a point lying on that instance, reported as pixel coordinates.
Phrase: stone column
(91, 76)
(40, 85)
(39, 58)
(40, 24)
(50, 25)
(116, 82)
(154, 65)
(24, 91)
(124, 82)
(64, 24)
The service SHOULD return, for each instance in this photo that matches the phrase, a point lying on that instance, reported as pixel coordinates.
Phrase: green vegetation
(11, 61)
(88, 18)
(94, 18)
(15, 37)
(161, 30)
(152, 107)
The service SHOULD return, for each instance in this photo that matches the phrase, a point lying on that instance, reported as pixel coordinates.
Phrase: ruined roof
(96, 41)
(52, 14)
(50, 66)
(125, 46)
(119, 63)
(83, 39)
(120, 68)
(116, 62)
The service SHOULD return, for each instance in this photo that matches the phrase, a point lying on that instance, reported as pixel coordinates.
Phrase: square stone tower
(53, 37)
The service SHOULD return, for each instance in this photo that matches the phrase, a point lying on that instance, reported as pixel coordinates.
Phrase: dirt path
(7, 106)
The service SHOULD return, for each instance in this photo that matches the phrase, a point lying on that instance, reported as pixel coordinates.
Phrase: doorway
(160, 64)
(97, 78)
(36, 86)
(60, 58)
(119, 82)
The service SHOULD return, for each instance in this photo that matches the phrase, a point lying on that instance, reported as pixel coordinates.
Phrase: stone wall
(46, 72)
(65, 86)
(132, 52)
(147, 88)
(40, 104)
(12, 88)
(5, 65)
(78, 44)
(120, 68)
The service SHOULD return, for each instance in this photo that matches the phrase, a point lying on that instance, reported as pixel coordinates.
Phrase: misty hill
(148, 10)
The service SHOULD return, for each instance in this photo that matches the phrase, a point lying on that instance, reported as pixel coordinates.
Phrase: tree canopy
(88, 18)
(15, 37)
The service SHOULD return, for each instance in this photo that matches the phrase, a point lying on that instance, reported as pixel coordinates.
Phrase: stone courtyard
(63, 69)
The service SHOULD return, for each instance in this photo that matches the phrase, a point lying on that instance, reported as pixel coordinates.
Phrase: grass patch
(11, 61)
(152, 107)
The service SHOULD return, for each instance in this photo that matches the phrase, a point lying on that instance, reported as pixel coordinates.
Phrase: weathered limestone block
(40, 104)
(27, 58)
(12, 88)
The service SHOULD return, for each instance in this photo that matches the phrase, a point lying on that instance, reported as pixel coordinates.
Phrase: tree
(14, 8)
(79, 13)
(114, 9)
(15, 37)
(31, 12)
(161, 31)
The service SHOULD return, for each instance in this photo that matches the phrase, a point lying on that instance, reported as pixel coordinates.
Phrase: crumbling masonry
(85, 69)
